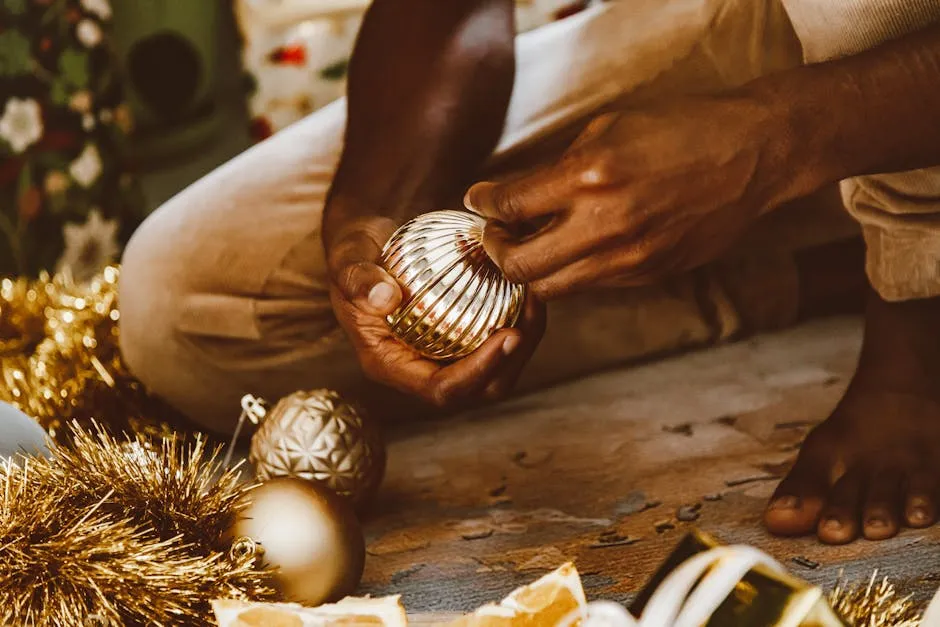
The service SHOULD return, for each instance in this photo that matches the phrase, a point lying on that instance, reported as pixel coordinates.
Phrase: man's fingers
(547, 189)
(353, 260)
(590, 270)
(491, 370)
(532, 326)
(620, 265)
(558, 245)
(466, 378)
(370, 288)
(537, 194)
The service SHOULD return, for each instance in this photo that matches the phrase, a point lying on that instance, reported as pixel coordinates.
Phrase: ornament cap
(256, 409)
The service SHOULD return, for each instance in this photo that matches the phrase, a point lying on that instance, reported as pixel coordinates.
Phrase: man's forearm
(875, 112)
(429, 86)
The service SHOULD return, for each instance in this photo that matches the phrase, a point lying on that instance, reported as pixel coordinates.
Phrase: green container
(168, 51)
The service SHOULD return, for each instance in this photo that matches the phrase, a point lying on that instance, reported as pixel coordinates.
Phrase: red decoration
(58, 140)
(10, 169)
(260, 128)
(30, 204)
(570, 9)
(292, 54)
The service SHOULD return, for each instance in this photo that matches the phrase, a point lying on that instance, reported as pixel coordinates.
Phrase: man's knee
(148, 296)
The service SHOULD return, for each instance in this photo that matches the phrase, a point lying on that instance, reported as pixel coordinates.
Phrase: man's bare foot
(873, 466)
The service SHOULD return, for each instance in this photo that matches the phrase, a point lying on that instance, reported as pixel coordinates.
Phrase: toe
(839, 522)
(794, 508)
(881, 516)
(920, 507)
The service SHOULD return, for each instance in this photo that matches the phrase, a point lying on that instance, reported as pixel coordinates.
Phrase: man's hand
(640, 195)
(363, 293)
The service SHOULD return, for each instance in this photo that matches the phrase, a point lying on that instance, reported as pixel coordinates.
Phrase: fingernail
(917, 515)
(510, 344)
(380, 296)
(786, 502)
(472, 197)
(468, 200)
(832, 524)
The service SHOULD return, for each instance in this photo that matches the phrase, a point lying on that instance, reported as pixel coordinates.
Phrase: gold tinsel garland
(59, 357)
(874, 604)
(121, 532)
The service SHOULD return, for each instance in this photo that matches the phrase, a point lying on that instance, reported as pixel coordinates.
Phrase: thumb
(354, 258)
(370, 288)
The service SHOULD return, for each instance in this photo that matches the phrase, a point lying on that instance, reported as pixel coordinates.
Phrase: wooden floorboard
(599, 471)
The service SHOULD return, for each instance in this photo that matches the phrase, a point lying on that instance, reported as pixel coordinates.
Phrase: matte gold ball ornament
(454, 296)
(306, 534)
(317, 436)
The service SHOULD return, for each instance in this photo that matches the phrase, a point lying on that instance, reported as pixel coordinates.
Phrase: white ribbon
(932, 615)
(678, 601)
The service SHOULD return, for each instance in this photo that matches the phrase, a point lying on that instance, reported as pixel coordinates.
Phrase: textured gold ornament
(320, 437)
(454, 295)
(306, 534)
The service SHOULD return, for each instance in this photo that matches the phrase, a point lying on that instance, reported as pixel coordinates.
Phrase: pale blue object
(20, 434)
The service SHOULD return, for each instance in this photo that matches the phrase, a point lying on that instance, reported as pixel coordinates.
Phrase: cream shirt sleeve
(830, 29)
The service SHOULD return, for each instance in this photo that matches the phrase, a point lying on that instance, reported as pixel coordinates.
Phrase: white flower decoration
(101, 8)
(89, 33)
(88, 121)
(21, 124)
(89, 247)
(81, 101)
(87, 167)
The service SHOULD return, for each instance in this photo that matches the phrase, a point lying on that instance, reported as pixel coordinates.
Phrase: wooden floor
(611, 471)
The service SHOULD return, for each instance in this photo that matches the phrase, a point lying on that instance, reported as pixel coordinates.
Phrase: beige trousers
(224, 290)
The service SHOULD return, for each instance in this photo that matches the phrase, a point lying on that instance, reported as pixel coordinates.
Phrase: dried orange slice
(350, 612)
(541, 604)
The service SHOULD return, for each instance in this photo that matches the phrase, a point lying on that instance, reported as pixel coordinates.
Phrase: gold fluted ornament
(454, 296)
(318, 436)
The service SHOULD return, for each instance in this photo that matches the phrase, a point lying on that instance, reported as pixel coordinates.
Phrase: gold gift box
(763, 598)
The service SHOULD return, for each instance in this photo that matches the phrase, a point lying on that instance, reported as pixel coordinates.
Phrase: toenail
(918, 515)
(876, 522)
(832, 524)
(786, 502)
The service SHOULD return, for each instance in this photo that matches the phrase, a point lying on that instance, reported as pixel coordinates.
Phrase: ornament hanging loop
(245, 550)
(254, 409)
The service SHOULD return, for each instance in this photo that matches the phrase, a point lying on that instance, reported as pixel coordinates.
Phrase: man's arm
(429, 86)
(651, 192)
(875, 112)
